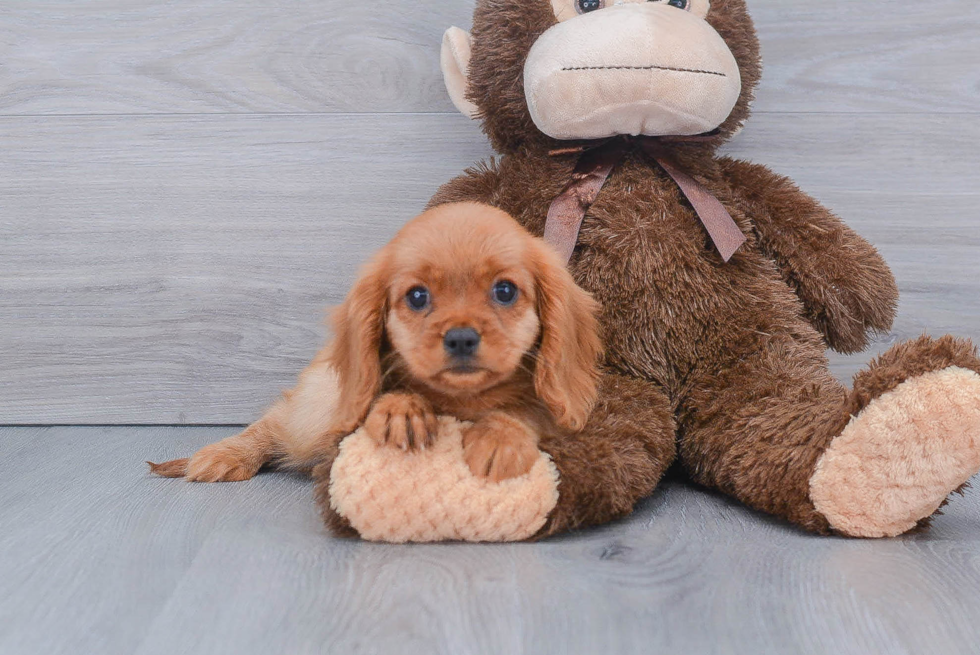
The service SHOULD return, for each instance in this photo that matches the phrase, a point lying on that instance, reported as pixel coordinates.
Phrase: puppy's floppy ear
(358, 326)
(567, 370)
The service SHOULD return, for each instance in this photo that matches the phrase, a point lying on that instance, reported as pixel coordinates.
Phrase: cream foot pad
(390, 495)
(897, 461)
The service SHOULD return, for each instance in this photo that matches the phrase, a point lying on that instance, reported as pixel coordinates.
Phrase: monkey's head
(542, 71)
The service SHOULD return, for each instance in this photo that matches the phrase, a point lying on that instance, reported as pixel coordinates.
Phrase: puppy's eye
(585, 6)
(505, 292)
(680, 4)
(417, 298)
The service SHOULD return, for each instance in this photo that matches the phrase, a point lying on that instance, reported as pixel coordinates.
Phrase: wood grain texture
(175, 269)
(158, 270)
(213, 56)
(872, 56)
(96, 556)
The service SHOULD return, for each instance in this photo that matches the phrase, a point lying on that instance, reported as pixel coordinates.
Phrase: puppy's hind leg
(296, 433)
(230, 460)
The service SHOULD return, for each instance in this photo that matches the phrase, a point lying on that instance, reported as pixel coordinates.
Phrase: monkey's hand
(847, 288)
(848, 311)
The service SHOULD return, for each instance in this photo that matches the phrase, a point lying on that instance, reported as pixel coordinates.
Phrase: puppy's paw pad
(499, 449)
(403, 420)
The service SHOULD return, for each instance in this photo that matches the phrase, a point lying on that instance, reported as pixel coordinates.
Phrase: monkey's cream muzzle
(640, 69)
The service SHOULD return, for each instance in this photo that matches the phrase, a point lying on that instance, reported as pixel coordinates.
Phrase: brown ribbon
(567, 211)
(597, 162)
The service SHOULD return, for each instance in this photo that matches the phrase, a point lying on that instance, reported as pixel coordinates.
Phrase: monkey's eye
(417, 298)
(680, 4)
(585, 6)
(505, 292)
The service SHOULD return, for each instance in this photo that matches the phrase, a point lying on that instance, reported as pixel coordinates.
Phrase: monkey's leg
(616, 460)
(775, 430)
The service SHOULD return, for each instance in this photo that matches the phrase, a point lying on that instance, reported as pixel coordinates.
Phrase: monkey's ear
(455, 63)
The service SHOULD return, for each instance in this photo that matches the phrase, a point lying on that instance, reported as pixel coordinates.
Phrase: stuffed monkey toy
(721, 285)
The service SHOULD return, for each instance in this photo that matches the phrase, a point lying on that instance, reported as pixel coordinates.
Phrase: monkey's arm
(619, 457)
(476, 184)
(845, 285)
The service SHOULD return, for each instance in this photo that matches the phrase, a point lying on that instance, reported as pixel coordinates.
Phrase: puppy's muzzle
(461, 343)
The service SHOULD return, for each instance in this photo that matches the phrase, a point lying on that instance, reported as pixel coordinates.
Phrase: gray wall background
(184, 186)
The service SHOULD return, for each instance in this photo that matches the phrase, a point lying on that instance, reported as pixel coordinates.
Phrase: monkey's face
(613, 67)
(539, 71)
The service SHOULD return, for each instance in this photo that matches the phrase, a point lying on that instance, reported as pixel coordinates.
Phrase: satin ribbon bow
(597, 162)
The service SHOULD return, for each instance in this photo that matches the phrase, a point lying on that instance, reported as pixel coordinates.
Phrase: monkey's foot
(898, 460)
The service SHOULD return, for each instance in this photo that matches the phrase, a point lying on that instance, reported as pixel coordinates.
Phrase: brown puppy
(463, 313)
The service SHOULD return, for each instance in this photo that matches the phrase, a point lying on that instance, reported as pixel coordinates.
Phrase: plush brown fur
(720, 364)
(910, 359)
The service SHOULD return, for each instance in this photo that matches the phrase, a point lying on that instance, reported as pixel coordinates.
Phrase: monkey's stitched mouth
(644, 68)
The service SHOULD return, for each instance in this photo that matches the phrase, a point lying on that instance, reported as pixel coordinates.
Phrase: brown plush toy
(718, 365)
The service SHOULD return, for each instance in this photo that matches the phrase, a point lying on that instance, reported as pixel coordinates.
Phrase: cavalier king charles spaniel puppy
(463, 314)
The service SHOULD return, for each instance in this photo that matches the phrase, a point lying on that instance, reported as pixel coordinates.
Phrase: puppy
(464, 314)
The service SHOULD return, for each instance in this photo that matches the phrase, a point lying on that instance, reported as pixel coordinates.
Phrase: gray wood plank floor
(186, 184)
(96, 556)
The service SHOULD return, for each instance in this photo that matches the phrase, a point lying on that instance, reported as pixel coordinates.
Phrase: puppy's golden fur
(392, 368)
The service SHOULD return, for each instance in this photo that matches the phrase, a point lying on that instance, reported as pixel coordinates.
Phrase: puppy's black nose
(461, 342)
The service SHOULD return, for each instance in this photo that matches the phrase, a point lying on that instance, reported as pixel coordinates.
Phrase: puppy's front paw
(499, 446)
(402, 419)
